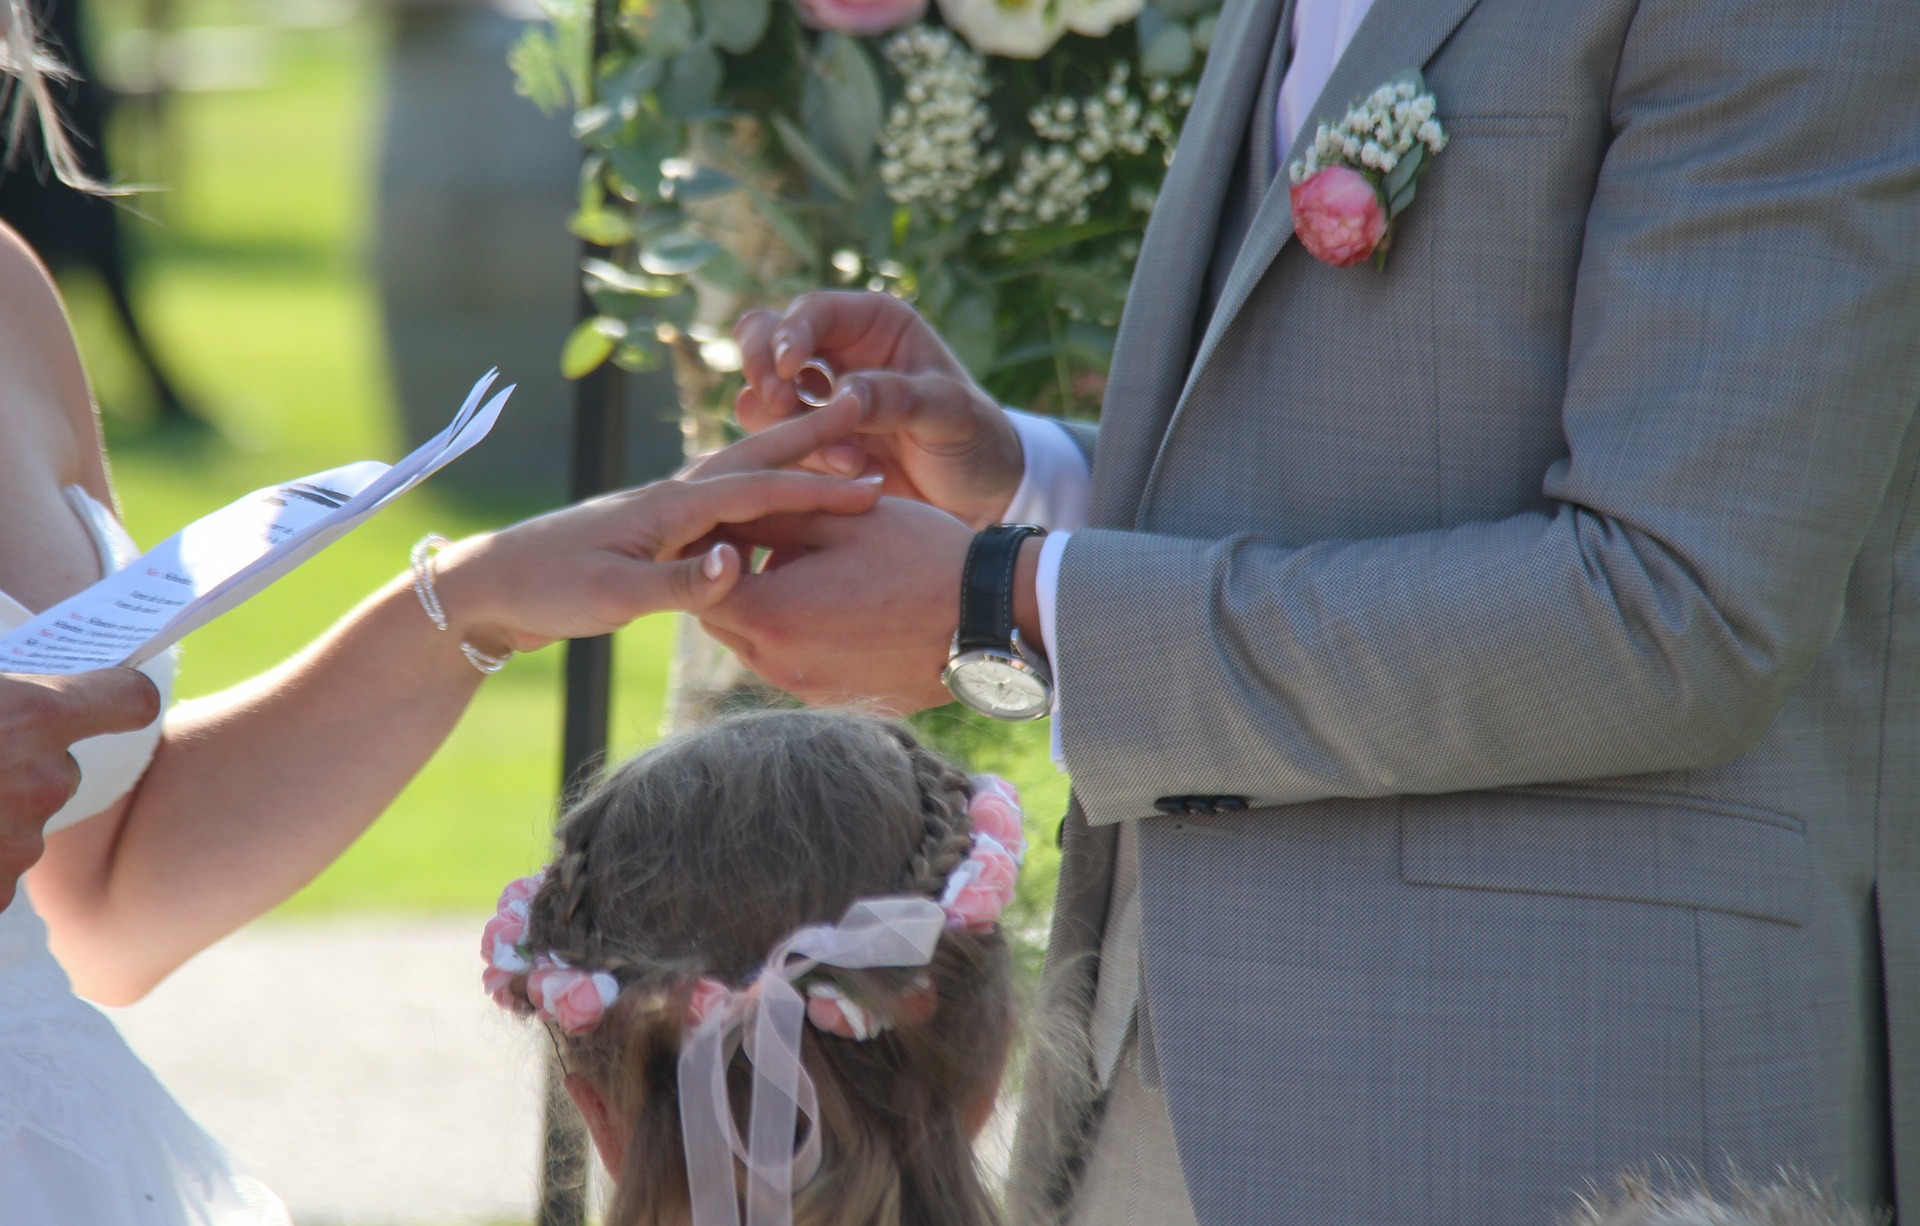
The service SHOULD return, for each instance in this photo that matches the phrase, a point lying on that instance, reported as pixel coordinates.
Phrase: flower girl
(769, 953)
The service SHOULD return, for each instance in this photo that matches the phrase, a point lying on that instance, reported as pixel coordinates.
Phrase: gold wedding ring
(814, 383)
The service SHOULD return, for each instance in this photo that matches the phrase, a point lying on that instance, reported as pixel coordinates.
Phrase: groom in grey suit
(1491, 686)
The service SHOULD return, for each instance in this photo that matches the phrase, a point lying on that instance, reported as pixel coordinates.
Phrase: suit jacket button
(1171, 805)
(1202, 804)
(1231, 804)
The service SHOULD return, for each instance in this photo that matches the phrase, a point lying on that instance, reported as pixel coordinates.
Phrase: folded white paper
(219, 562)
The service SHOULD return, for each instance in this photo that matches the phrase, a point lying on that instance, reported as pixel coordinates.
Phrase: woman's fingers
(779, 446)
(689, 510)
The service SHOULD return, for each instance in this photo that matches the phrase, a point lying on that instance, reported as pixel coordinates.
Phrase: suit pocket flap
(1634, 847)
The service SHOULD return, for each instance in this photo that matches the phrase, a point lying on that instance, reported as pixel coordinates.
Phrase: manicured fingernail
(715, 562)
(872, 479)
(844, 458)
(780, 348)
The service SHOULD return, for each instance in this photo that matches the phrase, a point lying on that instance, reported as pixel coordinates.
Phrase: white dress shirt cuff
(1046, 593)
(1055, 487)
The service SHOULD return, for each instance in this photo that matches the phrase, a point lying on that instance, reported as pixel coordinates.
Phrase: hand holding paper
(217, 563)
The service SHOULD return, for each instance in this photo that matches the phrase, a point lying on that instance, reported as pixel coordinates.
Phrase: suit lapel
(1151, 352)
(1396, 35)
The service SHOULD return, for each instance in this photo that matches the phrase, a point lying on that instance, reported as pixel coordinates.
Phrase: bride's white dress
(88, 1136)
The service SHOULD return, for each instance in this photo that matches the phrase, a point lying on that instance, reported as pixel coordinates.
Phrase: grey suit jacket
(1553, 596)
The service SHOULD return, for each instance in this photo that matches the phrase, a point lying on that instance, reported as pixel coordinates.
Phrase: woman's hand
(925, 425)
(592, 568)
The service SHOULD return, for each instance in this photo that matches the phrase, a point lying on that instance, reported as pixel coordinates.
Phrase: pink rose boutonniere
(1351, 185)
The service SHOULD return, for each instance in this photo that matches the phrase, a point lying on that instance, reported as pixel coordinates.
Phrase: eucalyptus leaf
(666, 29)
(736, 26)
(636, 161)
(785, 225)
(589, 344)
(704, 181)
(603, 227)
(724, 272)
(590, 122)
(677, 253)
(637, 354)
(1403, 171)
(626, 88)
(1170, 53)
(602, 274)
(1398, 204)
(692, 82)
(842, 103)
(812, 160)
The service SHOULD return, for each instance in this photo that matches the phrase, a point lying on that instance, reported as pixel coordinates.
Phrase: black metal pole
(595, 467)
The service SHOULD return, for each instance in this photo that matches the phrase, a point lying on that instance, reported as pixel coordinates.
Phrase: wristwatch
(990, 669)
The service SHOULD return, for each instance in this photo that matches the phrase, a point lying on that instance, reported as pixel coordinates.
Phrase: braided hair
(694, 859)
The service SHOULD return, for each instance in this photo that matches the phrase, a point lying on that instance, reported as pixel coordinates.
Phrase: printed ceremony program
(219, 562)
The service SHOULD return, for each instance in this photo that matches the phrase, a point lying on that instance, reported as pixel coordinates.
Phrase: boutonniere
(1358, 176)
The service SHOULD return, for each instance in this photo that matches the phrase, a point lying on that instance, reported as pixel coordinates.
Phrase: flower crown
(574, 998)
(762, 1020)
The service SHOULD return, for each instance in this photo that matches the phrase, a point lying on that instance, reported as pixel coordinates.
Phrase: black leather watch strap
(986, 587)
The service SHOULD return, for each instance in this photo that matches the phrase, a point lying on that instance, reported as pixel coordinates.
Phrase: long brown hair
(696, 858)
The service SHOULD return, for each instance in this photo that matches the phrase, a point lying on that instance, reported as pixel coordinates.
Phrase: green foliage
(1014, 230)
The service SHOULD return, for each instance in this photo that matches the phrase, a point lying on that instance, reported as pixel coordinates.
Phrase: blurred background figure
(80, 232)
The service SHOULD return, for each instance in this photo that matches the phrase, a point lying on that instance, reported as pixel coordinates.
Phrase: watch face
(999, 686)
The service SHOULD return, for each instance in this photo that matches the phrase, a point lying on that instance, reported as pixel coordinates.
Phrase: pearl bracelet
(422, 561)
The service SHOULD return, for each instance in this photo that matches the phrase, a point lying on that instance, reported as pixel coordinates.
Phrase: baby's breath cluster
(1057, 180)
(1376, 134)
(933, 145)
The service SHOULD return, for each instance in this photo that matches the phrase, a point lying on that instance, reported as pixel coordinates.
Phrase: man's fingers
(96, 703)
(935, 409)
(822, 323)
(781, 445)
(700, 506)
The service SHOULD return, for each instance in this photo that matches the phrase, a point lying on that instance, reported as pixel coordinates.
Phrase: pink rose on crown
(859, 17)
(980, 889)
(573, 999)
(501, 939)
(993, 815)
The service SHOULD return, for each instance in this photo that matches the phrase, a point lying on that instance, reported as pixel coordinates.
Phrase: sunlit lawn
(257, 288)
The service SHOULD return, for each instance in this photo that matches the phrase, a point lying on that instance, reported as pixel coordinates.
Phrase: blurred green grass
(255, 281)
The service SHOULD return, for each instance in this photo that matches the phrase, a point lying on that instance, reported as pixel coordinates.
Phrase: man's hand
(923, 422)
(40, 719)
(861, 609)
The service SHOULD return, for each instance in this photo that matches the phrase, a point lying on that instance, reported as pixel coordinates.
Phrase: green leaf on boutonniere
(812, 160)
(1397, 204)
(1400, 178)
(736, 26)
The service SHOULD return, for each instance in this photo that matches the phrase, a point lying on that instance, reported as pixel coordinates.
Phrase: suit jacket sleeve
(1743, 370)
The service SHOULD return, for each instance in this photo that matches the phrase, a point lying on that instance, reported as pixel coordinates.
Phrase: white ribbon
(874, 932)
